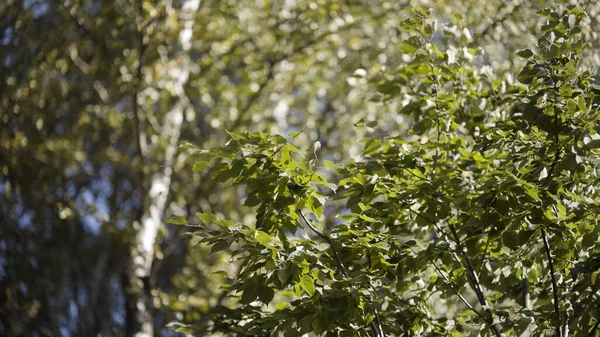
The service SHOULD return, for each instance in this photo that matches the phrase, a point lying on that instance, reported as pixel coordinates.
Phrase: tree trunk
(139, 299)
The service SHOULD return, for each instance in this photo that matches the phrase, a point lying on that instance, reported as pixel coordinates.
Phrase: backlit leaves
(444, 219)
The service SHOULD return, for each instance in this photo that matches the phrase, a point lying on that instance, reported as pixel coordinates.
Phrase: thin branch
(419, 215)
(377, 328)
(485, 250)
(557, 153)
(471, 274)
(449, 284)
(554, 284)
(475, 282)
(329, 241)
(470, 269)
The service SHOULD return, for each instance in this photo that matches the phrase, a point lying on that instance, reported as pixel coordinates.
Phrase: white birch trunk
(160, 181)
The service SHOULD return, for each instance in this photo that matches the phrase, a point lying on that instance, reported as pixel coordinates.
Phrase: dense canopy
(379, 168)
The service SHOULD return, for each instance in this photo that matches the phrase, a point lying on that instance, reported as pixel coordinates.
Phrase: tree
(482, 219)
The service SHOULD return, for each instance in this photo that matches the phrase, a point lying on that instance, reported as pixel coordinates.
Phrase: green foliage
(481, 219)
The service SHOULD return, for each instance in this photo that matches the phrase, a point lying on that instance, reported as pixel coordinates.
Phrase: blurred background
(98, 99)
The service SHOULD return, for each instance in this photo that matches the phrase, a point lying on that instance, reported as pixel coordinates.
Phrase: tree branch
(329, 241)
(475, 281)
(543, 232)
(471, 275)
(464, 300)
(554, 284)
(377, 328)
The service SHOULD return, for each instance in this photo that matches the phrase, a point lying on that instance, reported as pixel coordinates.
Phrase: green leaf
(295, 134)
(225, 223)
(199, 166)
(188, 145)
(252, 200)
(178, 220)
(531, 191)
(284, 274)
(286, 158)
(411, 45)
(581, 104)
(219, 246)
(307, 284)
(315, 206)
(478, 158)
(467, 313)
(207, 218)
(281, 305)
(530, 72)
(416, 172)
(525, 53)
(372, 124)
(265, 294)
(262, 238)
(411, 23)
(371, 147)
(318, 324)
(571, 105)
(329, 164)
(250, 293)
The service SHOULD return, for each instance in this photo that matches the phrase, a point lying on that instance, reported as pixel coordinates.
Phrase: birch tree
(160, 157)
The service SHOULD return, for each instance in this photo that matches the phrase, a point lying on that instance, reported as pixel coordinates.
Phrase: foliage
(482, 219)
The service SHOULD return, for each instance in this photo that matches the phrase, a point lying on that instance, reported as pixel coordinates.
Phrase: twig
(464, 300)
(554, 284)
(470, 269)
(543, 232)
(475, 282)
(329, 241)
(487, 243)
(377, 328)
(471, 274)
